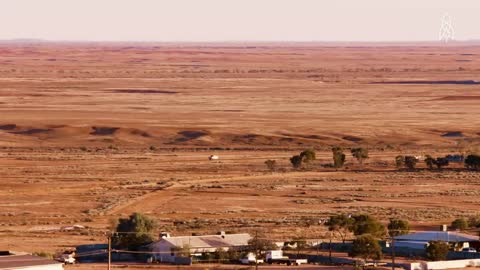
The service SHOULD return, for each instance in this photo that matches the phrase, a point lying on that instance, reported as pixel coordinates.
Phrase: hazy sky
(236, 20)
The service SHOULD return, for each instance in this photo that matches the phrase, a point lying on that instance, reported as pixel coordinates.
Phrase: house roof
(18, 261)
(210, 241)
(427, 236)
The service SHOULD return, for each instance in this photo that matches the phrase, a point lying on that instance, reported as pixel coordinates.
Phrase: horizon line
(406, 42)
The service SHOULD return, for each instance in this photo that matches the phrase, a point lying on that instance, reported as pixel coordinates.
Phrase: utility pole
(393, 252)
(330, 249)
(109, 238)
(256, 250)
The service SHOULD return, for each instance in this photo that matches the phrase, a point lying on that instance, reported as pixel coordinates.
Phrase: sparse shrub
(399, 161)
(305, 157)
(84, 148)
(271, 164)
(43, 254)
(308, 156)
(360, 154)
(338, 157)
(152, 148)
(112, 147)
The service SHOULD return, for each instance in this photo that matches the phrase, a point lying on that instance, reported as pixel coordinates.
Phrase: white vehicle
(213, 157)
(67, 258)
(250, 259)
(276, 256)
(469, 249)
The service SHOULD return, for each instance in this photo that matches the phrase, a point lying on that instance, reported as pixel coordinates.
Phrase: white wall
(445, 264)
(58, 266)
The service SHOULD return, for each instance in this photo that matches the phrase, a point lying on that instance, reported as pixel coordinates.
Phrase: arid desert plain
(90, 132)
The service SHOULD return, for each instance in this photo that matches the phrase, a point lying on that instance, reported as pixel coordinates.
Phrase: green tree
(301, 243)
(308, 156)
(296, 161)
(134, 231)
(258, 245)
(472, 162)
(441, 162)
(366, 247)
(411, 162)
(366, 224)
(360, 154)
(338, 157)
(430, 162)
(340, 224)
(399, 161)
(460, 224)
(398, 227)
(271, 164)
(437, 250)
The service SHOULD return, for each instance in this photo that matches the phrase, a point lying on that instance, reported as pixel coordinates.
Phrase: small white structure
(213, 157)
(250, 259)
(68, 257)
(28, 262)
(441, 265)
(419, 240)
(275, 254)
(166, 249)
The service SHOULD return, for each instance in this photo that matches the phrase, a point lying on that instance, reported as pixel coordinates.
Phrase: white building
(419, 240)
(167, 248)
(28, 262)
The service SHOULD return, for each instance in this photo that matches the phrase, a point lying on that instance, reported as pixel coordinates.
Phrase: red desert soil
(94, 132)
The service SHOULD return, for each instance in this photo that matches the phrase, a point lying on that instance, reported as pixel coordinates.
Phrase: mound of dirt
(454, 134)
(189, 135)
(306, 136)
(142, 91)
(104, 131)
(352, 138)
(32, 131)
(447, 82)
(142, 133)
(453, 98)
(8, 127)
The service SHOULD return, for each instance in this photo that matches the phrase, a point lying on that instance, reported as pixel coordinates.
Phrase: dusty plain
(94, 132)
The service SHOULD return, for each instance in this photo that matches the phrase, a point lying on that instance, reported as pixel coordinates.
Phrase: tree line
(361, 154)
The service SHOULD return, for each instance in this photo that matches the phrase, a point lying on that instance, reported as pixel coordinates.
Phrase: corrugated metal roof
(210, 241)
(15, 261)
(438, 236)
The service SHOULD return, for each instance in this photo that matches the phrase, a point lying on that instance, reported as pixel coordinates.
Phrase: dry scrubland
(77, 122)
